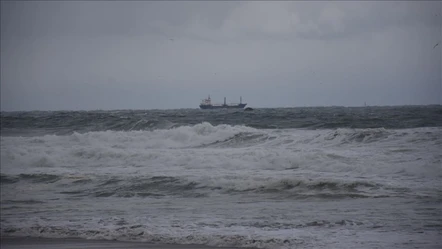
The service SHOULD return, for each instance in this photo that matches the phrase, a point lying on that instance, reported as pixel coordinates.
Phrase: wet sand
(40, 243)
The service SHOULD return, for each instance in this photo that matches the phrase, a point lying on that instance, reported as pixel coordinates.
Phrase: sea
(305, 177)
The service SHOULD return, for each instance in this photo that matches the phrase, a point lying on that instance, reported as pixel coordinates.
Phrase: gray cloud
(116, 55)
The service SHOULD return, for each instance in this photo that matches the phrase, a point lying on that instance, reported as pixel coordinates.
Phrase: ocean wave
(205, 135)
(275, 225)
(179, 137)
(309, 188)
(242, 139)
(6, 179)
(40, 178)
(203, 158)
(142, 234)
(68, 122)
(252, 234)
(199, 187)
(358, 135)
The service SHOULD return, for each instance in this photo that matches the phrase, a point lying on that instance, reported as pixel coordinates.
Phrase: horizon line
(196, 108)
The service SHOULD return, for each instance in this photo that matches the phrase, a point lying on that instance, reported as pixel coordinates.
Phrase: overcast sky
(76, 55)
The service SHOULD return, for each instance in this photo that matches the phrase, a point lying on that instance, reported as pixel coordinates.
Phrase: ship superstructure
(207, 104)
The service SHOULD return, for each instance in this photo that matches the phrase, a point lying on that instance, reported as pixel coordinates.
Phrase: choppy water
(272, 178)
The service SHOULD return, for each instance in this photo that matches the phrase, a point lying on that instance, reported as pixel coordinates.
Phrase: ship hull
(222, 106)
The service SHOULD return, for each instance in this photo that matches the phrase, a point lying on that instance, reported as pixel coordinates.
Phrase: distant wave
(68, 122)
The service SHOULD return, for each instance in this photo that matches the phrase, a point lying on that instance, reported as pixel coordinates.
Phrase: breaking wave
(206, 134)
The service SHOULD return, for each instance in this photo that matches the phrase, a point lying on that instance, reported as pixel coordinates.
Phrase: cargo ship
(207, 104)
